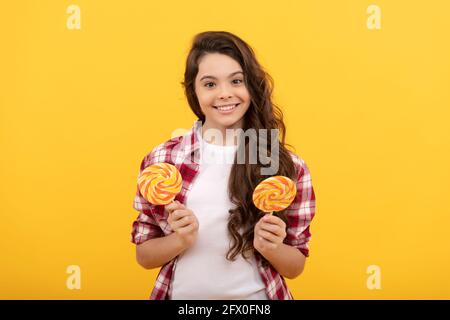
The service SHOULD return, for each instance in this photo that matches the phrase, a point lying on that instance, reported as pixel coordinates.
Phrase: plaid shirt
(183, 152)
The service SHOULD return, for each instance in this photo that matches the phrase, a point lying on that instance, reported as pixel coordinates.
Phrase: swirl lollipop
(274, 194)
(160, 183)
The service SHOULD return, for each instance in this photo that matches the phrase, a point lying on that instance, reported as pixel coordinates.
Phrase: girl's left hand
(269, 233)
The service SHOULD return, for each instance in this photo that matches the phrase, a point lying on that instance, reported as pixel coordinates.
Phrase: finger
(184, 221)
(175, 208)
(180, 213)
(269, 218)
(269, 226)
(176, 215)
(187, 228)
(273, 220)
(179, 204)
(275, 229)
(268, 236)
(267, 244)
(174, 205)
(171, 205)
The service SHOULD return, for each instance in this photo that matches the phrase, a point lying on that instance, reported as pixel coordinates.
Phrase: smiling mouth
(227, 107)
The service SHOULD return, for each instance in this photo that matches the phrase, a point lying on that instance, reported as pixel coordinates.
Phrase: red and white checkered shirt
(183, 152)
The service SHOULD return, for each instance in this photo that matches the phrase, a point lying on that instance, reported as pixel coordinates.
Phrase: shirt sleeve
(146, 225)
(301, 212)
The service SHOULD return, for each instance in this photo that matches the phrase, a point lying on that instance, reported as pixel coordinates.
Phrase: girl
(212, 242)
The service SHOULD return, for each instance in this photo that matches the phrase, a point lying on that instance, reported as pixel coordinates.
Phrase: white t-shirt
(202, 271)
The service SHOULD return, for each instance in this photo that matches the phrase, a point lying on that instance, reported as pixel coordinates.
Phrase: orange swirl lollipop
(274, 194)
(160, 183)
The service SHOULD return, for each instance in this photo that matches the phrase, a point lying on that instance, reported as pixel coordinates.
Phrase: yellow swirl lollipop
(160, 183)
(274, 194)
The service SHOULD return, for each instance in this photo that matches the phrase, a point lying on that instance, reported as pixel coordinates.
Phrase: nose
(225, 93)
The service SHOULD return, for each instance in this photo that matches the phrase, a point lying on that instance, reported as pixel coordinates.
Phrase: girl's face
(221, 91)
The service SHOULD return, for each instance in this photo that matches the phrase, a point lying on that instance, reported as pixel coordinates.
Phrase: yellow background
(368, 110)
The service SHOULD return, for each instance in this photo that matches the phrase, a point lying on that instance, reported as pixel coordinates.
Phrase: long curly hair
(261, 114)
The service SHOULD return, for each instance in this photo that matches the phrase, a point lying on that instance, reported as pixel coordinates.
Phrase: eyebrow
(211, 77)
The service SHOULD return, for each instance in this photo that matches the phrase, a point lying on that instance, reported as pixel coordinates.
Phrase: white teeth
(227, 107)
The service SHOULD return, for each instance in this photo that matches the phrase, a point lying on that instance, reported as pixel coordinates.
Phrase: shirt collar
(191, 143)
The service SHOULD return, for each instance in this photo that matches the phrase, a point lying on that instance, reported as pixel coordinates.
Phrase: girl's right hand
(183, 222)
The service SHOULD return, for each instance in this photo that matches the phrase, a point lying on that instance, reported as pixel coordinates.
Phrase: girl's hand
(269, 233)
(183, 222)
